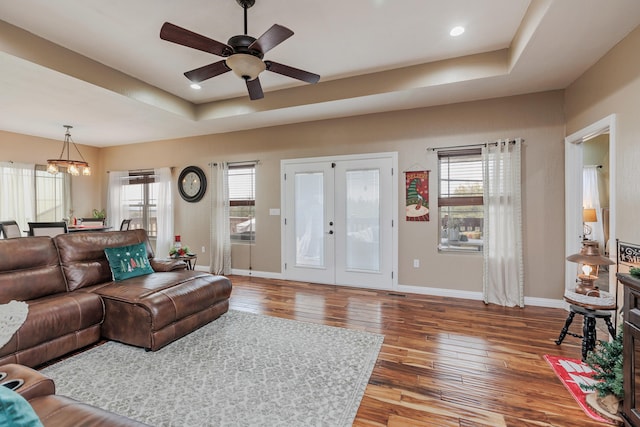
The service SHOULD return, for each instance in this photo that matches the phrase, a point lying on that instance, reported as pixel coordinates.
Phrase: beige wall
(612, 86)
(538, 118)
(87, 192)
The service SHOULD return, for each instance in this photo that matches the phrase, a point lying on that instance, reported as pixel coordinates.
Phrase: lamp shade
(589, 215)
(590, 254)
(245, 65)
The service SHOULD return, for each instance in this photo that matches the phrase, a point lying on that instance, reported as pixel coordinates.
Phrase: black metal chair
(10, 229)
(50, 229)
(124, 225)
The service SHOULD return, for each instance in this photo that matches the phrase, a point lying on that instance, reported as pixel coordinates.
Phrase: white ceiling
(400, 48)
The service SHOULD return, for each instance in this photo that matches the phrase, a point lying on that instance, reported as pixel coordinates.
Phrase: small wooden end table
(590, 312)
(189, 259)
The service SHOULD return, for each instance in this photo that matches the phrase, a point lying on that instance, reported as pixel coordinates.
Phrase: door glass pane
(363, 220)
(309, 219)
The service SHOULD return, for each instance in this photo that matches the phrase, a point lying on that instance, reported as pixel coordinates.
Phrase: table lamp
(588, 215)
(588, 260)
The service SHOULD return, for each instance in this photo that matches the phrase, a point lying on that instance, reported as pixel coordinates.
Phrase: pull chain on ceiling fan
(243, 54)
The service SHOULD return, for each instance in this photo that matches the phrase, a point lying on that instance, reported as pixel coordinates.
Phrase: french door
(339, 223)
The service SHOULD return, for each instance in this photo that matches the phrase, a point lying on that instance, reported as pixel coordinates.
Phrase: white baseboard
(421, 290)
(546, 302)
(440, 292)
(254, 273)
(455, 293)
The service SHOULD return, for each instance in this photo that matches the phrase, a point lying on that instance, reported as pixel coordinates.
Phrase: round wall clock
(192, 184)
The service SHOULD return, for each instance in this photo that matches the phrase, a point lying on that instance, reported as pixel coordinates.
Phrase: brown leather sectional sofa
(73, 301)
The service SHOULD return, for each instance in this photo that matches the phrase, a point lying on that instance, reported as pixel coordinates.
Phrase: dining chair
(10, 229)
(50, 229)
(92, 222)
(124, 225)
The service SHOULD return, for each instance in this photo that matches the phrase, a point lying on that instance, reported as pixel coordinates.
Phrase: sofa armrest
(35, 384)
(164, 265)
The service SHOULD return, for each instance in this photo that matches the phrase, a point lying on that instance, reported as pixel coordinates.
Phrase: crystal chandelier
(73, 166)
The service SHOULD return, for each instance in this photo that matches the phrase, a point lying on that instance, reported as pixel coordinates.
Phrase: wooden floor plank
(445, 361)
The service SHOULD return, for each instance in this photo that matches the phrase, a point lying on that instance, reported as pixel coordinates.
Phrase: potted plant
(99, 214)
(453, 229)
(606, 361)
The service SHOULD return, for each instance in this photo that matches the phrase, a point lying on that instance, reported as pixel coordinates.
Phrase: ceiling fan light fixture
(245, 66)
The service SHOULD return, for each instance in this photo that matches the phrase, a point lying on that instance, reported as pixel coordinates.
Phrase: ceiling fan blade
(255, 89)
(203, 73)
(271, 38)
(184, 37)
(295, 73)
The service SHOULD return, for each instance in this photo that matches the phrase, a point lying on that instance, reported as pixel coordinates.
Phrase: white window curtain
(503, 282)
(164, 211)
(591, 200)
(117, 206)
(220, 257)
(17, 198)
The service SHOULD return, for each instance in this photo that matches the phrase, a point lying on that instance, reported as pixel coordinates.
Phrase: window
(52, 195)
(140, 195)
(29, 193)
(460, 200)
(242, 203)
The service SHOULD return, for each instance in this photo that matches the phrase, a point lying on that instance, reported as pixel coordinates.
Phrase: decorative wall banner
(417, 195)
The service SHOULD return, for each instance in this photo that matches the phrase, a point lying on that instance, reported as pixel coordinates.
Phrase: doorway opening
(590, 197)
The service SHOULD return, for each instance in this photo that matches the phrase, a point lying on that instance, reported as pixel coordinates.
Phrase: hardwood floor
(444, 361)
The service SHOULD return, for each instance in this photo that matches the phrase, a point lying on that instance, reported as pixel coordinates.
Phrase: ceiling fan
(243, 54)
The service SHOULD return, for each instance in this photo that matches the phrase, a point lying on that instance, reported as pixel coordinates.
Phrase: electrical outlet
(416, 263)
(203, 251)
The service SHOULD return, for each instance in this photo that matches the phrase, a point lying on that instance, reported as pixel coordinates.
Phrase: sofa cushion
(56, 316)
(153, 310)
(82, 256)
(16, 411)
(128, 261)
(32, 260)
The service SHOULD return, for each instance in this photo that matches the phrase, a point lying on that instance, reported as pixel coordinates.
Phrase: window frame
(63, 202)
(146, 178)
(249, 201)
(451, 200)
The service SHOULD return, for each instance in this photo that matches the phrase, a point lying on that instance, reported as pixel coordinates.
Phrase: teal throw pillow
(128, 261)
(15, 411)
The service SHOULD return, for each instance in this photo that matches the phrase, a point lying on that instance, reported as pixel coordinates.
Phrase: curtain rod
(486, 144)
(245, 162)
(142, 170)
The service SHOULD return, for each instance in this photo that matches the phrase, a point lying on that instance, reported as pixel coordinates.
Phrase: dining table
(78, 228)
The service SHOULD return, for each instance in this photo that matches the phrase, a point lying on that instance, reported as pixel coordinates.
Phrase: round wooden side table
(590, 313)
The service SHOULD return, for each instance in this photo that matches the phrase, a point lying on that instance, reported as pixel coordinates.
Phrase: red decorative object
(573, 373)
(417, 195)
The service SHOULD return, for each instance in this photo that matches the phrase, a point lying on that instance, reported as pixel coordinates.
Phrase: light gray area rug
(243, 369)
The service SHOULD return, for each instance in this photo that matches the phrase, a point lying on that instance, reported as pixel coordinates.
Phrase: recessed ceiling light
(456, 31)
(195, 86)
